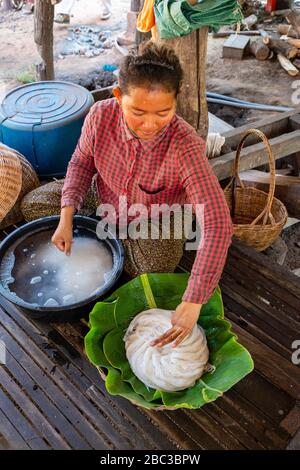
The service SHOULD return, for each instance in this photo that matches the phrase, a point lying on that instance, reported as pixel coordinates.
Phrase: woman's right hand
(62, 237)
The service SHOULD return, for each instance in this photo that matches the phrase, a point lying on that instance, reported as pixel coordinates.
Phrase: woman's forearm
(67, 214)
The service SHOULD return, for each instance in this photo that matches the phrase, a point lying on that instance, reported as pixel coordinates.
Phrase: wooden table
(52, 397)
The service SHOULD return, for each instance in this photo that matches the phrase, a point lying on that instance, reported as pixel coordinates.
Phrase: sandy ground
(18, 50)
(249, 79)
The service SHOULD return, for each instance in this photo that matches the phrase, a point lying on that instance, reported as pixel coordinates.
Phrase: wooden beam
(43, 36)
(287, 188)
(255, 155)
(271, 127)
(294, 124)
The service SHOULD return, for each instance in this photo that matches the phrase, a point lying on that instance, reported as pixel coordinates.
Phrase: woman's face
(147, 111)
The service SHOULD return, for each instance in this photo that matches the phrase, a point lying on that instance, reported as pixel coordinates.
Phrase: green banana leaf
(106, 349)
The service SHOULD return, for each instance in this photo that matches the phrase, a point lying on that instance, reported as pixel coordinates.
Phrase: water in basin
(34, 270)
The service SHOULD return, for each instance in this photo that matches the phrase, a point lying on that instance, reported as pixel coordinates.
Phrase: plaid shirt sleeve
(202, 187)
(81, 167)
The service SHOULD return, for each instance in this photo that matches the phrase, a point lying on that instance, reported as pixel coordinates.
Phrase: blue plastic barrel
(43, 121)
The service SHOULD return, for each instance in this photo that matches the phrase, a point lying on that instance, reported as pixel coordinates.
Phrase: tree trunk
(6, 5)
(192, 104)
(43, 36)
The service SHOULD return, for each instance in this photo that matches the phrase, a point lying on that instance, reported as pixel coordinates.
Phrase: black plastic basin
(65, 312)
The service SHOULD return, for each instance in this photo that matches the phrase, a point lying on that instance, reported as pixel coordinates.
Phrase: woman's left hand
(183, 322)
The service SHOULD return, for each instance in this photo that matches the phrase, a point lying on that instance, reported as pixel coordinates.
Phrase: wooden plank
(206, 424)
(10, 439)
(281, 277)
(271, 127)
(255, 155)
(264, 313)
(194, 430)
(274, 402)
(243, 317)
(269, 363)
(169, 427)
(32, 413)
(35, 384)
(86, 377)
(281, 299)
(254, 421)
(55, 385)
(19, 431)
(232, 425)
(291, 422)
(286, 286)
(152, 437)
(294, 124)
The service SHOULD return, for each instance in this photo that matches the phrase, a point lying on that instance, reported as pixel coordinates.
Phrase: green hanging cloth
(175, 18)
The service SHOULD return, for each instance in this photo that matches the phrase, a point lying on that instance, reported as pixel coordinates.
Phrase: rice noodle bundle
(168, 369)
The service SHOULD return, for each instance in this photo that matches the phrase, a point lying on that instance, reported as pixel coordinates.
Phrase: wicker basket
(258, 218)
(10, 180)
(27, 181)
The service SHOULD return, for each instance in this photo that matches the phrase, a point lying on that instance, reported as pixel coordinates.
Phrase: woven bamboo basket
(10, 181)
(27, 181)
(258, 218)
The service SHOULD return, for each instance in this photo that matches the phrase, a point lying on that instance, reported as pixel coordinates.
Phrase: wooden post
(43, 36)
(192, 104)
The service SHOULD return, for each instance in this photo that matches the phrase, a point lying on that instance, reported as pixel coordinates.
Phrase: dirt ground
(248, 79)
(18, 51)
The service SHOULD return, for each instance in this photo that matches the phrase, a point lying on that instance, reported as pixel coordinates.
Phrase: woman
(140, 148)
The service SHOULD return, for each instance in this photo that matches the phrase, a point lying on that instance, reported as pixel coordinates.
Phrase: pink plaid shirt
(171, 168)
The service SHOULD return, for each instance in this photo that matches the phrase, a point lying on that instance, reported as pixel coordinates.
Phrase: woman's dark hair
(154, 66)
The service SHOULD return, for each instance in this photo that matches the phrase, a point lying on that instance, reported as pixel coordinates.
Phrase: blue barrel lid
(49, 103)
